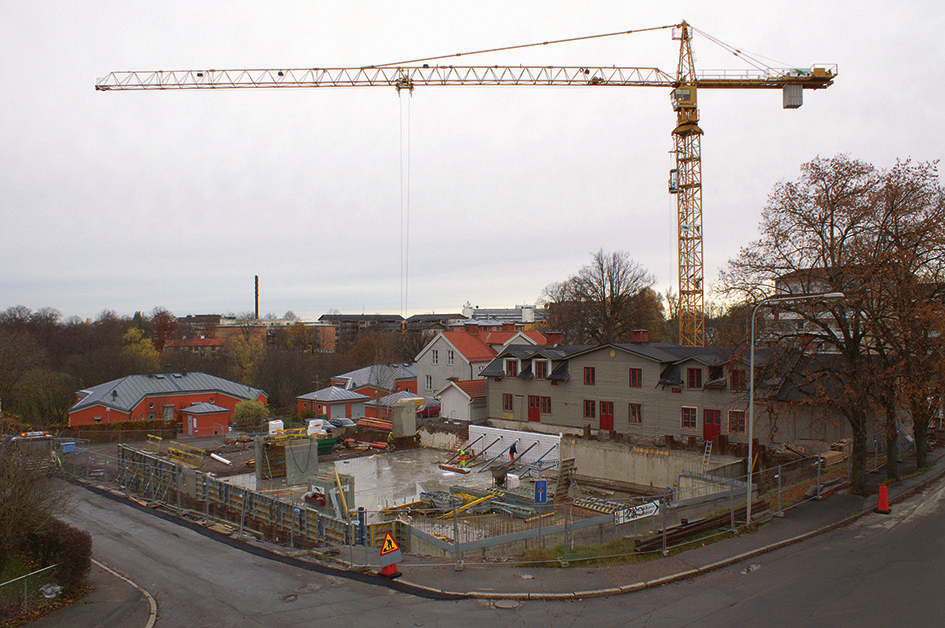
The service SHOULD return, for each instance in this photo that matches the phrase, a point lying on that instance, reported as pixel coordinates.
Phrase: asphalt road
(879, 570)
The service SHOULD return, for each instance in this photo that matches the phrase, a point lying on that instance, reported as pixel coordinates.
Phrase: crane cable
(404, 199)
(518, 46)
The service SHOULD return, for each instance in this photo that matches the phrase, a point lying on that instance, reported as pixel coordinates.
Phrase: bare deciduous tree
(604, 301)
(844, 226)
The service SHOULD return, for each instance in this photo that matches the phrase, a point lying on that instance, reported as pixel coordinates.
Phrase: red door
(711, 424)
(533, 411)
(607, 415)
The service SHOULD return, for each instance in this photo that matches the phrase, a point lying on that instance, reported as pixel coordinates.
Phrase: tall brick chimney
(554, 337)
(472, 328)
(640, 335)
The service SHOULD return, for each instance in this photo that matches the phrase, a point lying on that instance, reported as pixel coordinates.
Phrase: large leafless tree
(877, 236)
(604, 301)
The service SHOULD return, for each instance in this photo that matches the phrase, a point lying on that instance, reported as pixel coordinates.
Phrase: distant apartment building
(350, 327)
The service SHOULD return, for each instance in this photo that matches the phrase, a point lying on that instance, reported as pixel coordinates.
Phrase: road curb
(151, 601)
(405, 586)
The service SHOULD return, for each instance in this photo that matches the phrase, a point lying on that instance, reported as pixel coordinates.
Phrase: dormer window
(694, 378)
(540, 368)
(511, 367)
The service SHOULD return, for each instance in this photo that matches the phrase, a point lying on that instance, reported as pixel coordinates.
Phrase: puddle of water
(387, 479)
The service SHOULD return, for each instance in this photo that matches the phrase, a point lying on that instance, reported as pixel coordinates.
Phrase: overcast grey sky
(131, 200)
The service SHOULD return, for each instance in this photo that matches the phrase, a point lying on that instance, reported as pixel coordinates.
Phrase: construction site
(463, 493)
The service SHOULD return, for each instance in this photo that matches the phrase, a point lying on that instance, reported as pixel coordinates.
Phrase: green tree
(249, 412)
(141, 350)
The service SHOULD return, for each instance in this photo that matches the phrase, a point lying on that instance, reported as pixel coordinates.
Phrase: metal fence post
(664, 507)
(567, 540)
(456, 562)
(26, 595)
(818, 476)
(780, 513)
(731, 502)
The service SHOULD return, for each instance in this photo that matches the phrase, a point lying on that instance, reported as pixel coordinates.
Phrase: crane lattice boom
(450, 75)
(685, 179)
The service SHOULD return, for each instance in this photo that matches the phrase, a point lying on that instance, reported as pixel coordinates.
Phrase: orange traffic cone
(882, 505)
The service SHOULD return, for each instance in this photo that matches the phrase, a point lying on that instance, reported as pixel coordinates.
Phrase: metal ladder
(705, 458)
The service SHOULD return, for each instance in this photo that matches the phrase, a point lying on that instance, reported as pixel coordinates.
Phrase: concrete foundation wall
(440, 440)
(529, 426)
(544, 444)
(639, 465)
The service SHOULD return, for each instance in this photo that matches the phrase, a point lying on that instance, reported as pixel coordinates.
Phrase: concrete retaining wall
(440, 440)
(639, 465)
(546, 445)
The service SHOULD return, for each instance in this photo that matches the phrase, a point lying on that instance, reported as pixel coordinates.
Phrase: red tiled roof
(473, 387)
(473, 347)
(502, 337)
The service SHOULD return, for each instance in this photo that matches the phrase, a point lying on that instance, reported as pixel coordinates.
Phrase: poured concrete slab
(384, 479)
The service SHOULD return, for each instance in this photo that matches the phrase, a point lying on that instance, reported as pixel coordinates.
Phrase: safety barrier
(161, 480)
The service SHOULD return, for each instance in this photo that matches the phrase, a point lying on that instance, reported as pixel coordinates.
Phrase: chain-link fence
(20, 595)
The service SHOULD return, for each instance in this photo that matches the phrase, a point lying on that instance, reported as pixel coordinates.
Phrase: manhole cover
(507, 604)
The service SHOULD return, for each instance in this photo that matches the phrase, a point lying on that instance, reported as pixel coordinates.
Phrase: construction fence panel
(701, 505)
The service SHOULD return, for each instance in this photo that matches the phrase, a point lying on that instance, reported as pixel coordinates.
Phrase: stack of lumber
(377, 424)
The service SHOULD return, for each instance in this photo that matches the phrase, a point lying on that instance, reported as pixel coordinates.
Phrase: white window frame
(449, 357)
(434, 358)
(428, 382)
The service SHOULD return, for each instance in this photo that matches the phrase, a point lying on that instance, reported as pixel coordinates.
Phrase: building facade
(157, 396)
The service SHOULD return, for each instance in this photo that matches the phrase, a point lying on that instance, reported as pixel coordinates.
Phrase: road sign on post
(390, 554)
(541, 491)
(626, 515)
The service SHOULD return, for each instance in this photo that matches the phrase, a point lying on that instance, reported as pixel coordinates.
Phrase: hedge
(56, 542)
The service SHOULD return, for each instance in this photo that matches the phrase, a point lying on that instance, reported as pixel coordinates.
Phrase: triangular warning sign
(390, 545)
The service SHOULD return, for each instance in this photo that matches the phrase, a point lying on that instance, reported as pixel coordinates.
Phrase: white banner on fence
(626, 515)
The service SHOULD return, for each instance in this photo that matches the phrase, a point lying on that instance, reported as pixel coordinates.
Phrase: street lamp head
(833, 295)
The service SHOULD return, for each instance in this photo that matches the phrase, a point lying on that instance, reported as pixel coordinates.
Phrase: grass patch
(16, 566)
(618, 552)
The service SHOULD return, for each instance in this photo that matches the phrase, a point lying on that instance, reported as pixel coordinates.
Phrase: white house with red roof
(461, 353)
(464, 400)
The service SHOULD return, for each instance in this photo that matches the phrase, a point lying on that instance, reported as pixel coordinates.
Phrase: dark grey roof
(555, 353)
(125, 393)
(382, 376)
(204, 408)
(670, 352)
(400, 395)
(333, 394)
(353, 318)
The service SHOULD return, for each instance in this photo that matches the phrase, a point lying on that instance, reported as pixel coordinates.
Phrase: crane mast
(685, 179)
(686, 184)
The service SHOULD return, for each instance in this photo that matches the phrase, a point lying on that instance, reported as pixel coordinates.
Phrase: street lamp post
(751, 376)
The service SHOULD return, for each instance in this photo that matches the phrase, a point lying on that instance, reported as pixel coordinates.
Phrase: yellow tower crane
(685, 180)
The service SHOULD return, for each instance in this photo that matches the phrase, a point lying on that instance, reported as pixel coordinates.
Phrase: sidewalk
(524, 582)
(114, 602)
(117, 603)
